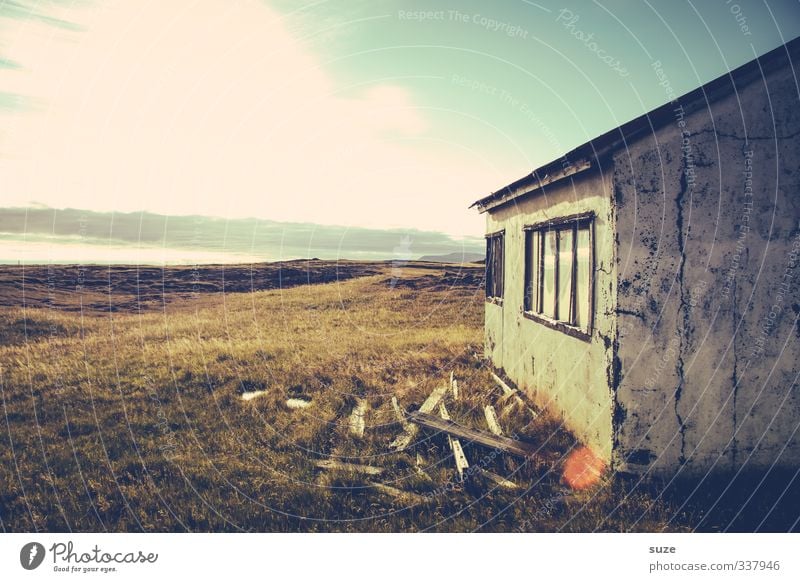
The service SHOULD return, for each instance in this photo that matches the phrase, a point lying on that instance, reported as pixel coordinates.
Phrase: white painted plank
(333, 465)
(500, 481)
(297, 403)
(455, 445)
(357, 418)
(503, 386)
(402, 442)
(491, 420)
(398, 412)
(509, 392)
(434, 399)
(254, 394)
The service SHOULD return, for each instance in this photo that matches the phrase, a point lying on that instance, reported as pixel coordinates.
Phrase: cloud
(215, 108)
(13, 101)
(42, 12)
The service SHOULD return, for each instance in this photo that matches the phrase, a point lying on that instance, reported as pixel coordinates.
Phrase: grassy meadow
(123, 410)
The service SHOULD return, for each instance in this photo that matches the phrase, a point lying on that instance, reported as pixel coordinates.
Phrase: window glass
(564, 275)
(558, 271)
(583, 278)
(549, 274)
(494, 266)
(532, 270)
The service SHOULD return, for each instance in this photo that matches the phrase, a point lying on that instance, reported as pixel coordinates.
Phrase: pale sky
(350, 113)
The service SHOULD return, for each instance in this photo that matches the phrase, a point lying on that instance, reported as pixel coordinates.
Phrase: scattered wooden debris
(454, 386)
(507, 390)
(434, 399)
(405, 496)
(297, 403)
(455, 446)
(502, 443)
(511, 393)
(398, 412)
(357, 418)
(253, 394)
(491, 420)
(402, 441)
(332, 465)
(499, 481)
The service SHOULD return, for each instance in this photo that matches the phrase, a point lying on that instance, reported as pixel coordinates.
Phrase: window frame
(489, 280)
(536, 312)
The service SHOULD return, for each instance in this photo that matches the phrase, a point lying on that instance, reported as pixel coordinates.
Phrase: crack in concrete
(635, 314)
(680, 329)
(735, 375)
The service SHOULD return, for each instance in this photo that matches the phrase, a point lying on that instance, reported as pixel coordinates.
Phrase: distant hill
(241, 239)
(458, 257)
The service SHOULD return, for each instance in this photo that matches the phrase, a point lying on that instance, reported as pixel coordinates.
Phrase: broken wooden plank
(455, 445)
(398, 412)
(357, 418)
(454, 386)
(253, 394)
(507, 390)
(491, 420)
(499, 481)
(405, 496)
(419, 466)
(297, 403)
(434, 399)
(460, 458)
(444, 414)
(505, 444)
(404, 439)
(512, 393)
(332, 465)
(402, 442)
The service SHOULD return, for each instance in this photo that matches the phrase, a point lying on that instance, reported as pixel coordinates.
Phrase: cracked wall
(707, 303)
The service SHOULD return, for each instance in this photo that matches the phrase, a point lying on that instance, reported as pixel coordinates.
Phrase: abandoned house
(644, 286)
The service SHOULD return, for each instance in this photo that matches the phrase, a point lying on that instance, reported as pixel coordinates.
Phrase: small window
(494, 265)
(558, 273)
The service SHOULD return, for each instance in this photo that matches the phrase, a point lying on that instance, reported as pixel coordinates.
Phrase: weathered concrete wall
(568, 375)
(707, 291)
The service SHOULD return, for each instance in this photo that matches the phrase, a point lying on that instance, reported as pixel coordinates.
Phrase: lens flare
(582, 469)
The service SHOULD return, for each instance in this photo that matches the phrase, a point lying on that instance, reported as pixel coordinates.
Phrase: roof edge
(590, 153)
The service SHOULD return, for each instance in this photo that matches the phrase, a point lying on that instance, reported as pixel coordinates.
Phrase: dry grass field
(122, 406)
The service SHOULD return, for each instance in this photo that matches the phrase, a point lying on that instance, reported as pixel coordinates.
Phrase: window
(494, 265)
(558, 273)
